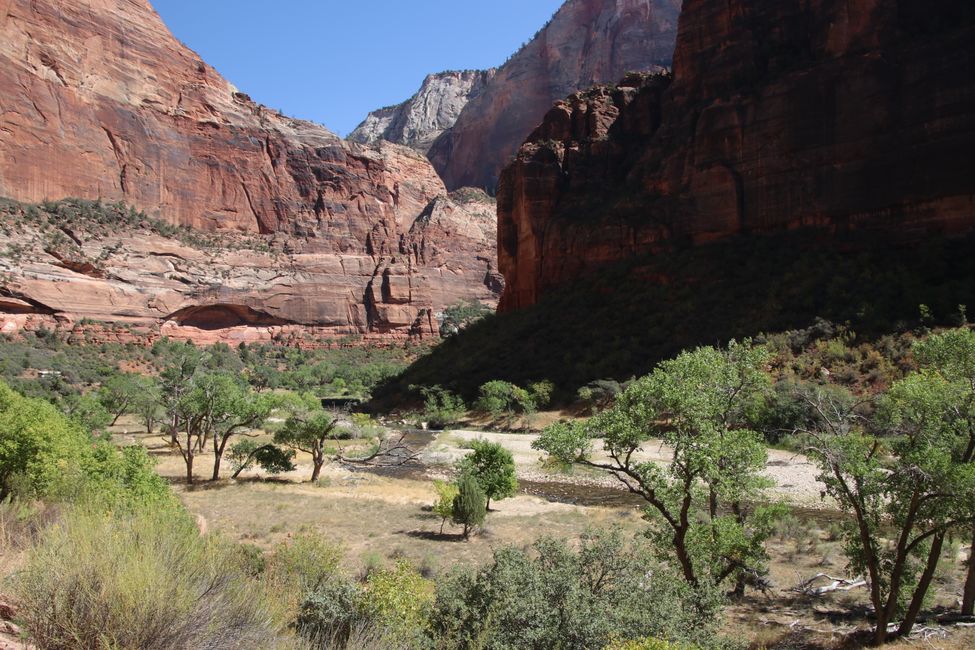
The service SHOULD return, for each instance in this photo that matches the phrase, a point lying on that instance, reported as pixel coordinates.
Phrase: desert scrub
(138, 580)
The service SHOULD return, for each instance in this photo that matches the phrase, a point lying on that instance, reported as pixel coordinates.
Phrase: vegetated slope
(421, 119)
(620, 321)
(101, 102)
(585, 43)
(779, 115)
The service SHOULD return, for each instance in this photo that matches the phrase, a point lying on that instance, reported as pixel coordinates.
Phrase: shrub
(470, 504)
(554, 597)
(297, 568)
(38, 444)
(499, 398)
(327, 616)
(441, 408)
(137, 580)
(444, 505)
(399, 601)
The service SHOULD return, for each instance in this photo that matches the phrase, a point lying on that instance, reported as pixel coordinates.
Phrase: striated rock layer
(63, 262)
(586, 42)
(99, 100)
(421, 119)
(779, 115)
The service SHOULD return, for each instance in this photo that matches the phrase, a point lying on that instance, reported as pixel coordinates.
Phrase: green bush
(142, 580)
(329, 614)
(554, 597)
(470, 504)
(38, 445)
(501, 398)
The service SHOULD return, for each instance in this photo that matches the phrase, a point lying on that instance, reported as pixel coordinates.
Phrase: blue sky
(333, 61)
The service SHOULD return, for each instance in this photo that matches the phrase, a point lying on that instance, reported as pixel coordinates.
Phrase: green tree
(444, 505)
(912, 485)
(119, 393)
(181, 362)
(216, 408)
(493, 467)
(951, 355)
(541, 393)
(148, 402)
(470, 505)
(699, 404)
(87, 411)
(38, 444)
(309, 429)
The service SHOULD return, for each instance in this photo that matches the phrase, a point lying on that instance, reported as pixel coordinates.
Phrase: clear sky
(333, 61)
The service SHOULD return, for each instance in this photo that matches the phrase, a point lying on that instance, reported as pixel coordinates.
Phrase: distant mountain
(586, 42)
(421, 119)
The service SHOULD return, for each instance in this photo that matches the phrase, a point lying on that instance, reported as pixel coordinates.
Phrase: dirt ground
(378, 518)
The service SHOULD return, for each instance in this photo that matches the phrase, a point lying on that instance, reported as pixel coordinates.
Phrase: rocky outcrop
(586, 42)
(236, 287)
(98, 100)
(828, 114)
(422, 118)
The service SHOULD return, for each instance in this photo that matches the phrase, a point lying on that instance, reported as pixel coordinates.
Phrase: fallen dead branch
(386, 454)
(809, 588)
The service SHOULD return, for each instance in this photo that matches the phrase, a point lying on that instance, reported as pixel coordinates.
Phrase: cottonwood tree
(182, 361)
(698, 404)
(309, 429)
(493, 467)
(216, 408)
(951, 355)
(905, 489)
(148, 403)
(119, 394)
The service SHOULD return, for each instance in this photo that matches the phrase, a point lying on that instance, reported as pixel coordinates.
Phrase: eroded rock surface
(98, 100)
(140, 272)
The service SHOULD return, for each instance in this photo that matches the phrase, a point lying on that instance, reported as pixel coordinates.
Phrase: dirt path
(794, 475)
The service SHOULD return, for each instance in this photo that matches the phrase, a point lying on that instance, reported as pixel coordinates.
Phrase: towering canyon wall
(98, 100)
(586, 42)
(779, 115)
(421, 119)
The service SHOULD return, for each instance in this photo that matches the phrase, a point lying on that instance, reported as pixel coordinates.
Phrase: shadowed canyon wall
(844, 116)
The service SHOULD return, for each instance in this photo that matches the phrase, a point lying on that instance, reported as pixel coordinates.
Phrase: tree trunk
(467, 531)
(316, 470)
(487, 505)
(934, 555)
(684, 558)
(115, 419)
(219, 445)
(189, 466)
(968, 600)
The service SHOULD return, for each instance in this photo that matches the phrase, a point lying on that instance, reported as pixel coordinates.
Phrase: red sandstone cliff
(586, 42)
(826, 113)
(99, 100)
